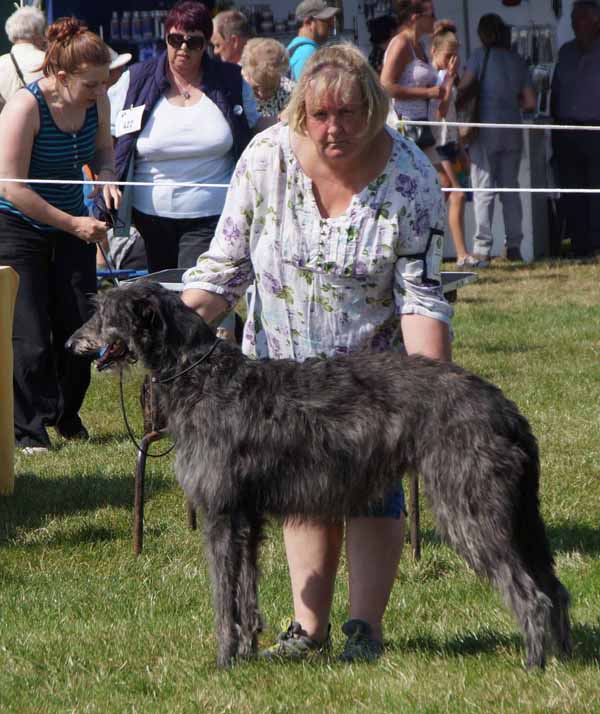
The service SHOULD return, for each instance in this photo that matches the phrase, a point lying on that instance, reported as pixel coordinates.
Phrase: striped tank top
(57, 154)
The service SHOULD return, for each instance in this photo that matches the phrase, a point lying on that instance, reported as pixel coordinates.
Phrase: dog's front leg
(224, 559)
(250, 531)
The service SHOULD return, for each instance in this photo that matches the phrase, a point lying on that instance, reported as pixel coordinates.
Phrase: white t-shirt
(182, 144)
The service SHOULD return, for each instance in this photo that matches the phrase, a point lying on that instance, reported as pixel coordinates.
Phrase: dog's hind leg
(222, 542)
(250, 534)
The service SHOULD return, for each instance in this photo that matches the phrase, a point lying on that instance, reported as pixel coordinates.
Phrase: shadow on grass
(36, 498)
(567, 537)
(586, 644)
(471, 643)
(508, 348)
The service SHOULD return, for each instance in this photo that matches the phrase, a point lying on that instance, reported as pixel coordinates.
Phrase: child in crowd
(453, 161)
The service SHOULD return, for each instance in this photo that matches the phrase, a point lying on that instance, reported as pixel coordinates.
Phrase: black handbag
(421, 135)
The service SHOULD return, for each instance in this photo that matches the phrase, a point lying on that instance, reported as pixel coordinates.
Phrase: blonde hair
(444, 37)
(264, 61)
(26, 23)
(337, 69)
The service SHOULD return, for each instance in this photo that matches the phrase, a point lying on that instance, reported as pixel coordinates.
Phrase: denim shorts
(393, 506)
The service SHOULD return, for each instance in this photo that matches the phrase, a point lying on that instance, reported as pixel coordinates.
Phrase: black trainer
(360, 645)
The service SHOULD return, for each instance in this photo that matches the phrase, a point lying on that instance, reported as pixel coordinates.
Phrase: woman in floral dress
(338, 221)
(265, 64)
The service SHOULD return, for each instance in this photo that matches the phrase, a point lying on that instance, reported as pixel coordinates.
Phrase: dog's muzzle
(111, 354)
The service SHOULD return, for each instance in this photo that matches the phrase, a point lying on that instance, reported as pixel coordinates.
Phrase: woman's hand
(435, 92)
(88, 229)
(112, 196)
(452, 67)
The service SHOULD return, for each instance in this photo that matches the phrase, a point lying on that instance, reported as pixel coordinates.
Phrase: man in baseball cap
(315, 18)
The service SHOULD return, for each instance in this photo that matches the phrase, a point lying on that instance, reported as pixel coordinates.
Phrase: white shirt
(118, 93)
(180, 145)
(29, 59)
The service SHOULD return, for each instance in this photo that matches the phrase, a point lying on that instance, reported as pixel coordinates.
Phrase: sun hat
(317, 9)
(117, 60)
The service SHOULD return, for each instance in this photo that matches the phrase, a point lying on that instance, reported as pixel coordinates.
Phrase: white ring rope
(174, 184)
(190, 184)
(486, 125)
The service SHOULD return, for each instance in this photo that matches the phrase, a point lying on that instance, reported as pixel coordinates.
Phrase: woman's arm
(426, 336)
(210, 306)
(528, 99)
(19, 124)
(465, 89)
(103, 163)
(397, 57)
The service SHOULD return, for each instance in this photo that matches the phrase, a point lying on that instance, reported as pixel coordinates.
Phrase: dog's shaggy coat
(325, 437)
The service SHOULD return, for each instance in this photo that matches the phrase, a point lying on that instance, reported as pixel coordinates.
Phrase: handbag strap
(18, 69)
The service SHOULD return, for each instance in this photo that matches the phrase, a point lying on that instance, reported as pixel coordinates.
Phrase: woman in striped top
(49, 130)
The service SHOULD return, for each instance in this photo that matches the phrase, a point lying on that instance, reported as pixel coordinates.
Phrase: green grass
(85, 626)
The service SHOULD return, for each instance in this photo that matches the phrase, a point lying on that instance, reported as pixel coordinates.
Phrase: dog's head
(141, 320)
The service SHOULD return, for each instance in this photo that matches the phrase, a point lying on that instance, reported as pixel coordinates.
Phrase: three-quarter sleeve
(417, 276)
(226, 268)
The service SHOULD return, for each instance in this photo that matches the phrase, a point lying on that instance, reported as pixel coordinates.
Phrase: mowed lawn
(85, 626)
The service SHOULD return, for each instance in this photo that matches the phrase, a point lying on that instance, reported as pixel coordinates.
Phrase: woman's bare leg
(313, 553)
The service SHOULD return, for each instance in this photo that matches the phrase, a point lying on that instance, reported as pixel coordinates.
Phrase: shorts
(448, 152)
(393, 506)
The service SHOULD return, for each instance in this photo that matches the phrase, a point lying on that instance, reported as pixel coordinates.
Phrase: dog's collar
(173, 377)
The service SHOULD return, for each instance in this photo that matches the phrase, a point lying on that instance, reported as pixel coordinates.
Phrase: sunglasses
(193, 42)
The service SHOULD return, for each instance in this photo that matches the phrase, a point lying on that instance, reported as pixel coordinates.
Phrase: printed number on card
(129, 120)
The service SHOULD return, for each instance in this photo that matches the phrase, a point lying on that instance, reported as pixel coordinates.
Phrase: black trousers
(174, 242)
(577, 157)
(57, 276)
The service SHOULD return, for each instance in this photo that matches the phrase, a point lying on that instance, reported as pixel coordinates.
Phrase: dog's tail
(533, 543)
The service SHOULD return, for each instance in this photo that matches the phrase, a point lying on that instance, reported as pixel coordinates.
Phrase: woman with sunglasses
(49, 130)
(194, 120)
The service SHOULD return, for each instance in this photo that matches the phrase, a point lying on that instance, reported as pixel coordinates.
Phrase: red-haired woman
(49, 130)
(193, 122)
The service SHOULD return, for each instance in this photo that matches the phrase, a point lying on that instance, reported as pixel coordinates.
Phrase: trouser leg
(593, 200)
(161, 239)
(34, 378)
(195, 239)
(571, 167)
(505, 168)
(72, 285)
(483, 202)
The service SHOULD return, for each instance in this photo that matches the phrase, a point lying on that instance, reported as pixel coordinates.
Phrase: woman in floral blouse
(265, 63)
(337, 221)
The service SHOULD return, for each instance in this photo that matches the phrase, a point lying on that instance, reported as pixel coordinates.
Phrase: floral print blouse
(326, 286)
(277, 103)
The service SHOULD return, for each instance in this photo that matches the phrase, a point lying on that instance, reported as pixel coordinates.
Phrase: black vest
(221, 82)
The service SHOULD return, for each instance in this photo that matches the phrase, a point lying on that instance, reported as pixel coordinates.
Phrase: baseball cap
(317, 9)
(117, 60)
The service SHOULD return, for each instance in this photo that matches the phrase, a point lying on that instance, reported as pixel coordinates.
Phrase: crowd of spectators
(331, 211)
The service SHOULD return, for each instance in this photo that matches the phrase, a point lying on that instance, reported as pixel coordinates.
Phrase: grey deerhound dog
(322, 438)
